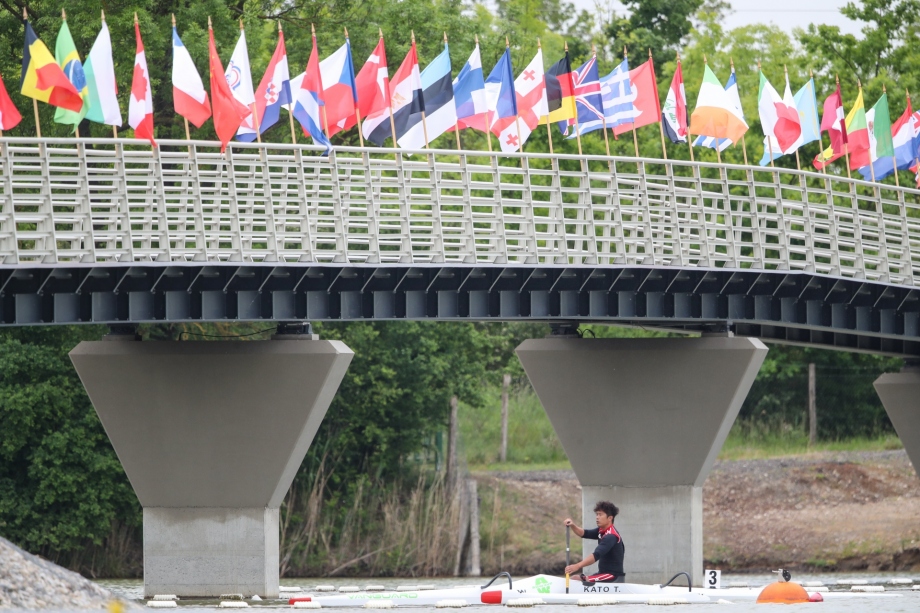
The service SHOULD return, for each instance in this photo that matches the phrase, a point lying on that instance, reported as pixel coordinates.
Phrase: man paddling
(610, 549)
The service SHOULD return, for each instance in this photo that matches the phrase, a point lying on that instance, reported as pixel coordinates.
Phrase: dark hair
(607, 507)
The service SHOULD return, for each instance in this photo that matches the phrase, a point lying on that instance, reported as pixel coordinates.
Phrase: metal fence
(106, 200)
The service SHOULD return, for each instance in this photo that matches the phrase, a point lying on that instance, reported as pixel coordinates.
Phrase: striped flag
(723, 143)
(440, 110)
(618, 96)
(190, 100)
(102, 91)
(674, 111)
(470, 94)
(589, 105)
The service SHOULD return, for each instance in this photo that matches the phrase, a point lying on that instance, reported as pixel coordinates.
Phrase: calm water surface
(909, 602)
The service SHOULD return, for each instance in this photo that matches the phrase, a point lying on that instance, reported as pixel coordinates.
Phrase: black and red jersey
(610, 550)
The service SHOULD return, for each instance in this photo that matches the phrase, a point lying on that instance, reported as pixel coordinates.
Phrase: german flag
(42, 78)
(560, 93)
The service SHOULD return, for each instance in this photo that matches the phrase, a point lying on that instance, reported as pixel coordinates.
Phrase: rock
(30, 582)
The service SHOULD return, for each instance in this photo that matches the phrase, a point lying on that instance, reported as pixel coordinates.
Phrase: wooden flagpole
(291, 108)
(488, 115)
(38, 125)
(549, 132)
(76, 128)
(635, 139)
(743, 141)
(325, 116)
(664, 150)
(390, 104)
(572, 83)
(187, 133)
(457, 122)
(689, 136)
(517, 116)
(424, 121)
(114, 128)
(255, 112)
(846, 145)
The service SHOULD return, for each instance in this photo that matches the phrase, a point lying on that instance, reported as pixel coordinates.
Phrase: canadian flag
(140, 107)
(530, 89)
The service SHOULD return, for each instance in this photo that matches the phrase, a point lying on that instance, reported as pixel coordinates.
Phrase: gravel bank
(29, 582)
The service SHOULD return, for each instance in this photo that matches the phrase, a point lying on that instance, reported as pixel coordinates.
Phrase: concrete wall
(211, 435)
(642, 421)
(900, 394)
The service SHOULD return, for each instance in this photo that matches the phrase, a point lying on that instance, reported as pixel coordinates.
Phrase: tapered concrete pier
(211, 435)
(900, 394)
(642, 421)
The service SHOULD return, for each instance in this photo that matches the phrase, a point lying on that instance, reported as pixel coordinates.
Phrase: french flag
(470, 94)
(339, 90)
(189, 97)
(274, 91)
(308, 100)
(500, 93)
(904, 132)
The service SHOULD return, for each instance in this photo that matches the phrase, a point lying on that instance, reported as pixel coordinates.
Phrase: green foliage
(659, 25)
(61, 486)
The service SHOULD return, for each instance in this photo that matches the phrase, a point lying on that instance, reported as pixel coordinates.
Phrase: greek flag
(618, 95)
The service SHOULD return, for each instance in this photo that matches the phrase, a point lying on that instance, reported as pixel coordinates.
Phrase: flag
(560, 91)
(807, 107)
(723, 143)
(42, 79)
(374, 97)
(470, 94)
(904, 140)
(779, 118)
(440, 110)
(530, 93)
(835, 123)
(589, 104)
(140, 105)
(239, 78)
(9, 114)
(189, 98)
(307, 100)
(102, 91)
(881, 143)
(858, 134)
(274, 91)
(715, 113)
(339, 90)
(617, 95)
(407, 101)
(65, 53)
(674, 112)
(500, 92)
(228, 112)
(645, 99)
(916, 170)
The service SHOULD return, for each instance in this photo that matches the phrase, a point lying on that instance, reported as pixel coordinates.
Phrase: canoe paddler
(610, 549)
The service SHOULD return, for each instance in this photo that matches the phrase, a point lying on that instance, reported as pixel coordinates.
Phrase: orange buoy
(783, 592)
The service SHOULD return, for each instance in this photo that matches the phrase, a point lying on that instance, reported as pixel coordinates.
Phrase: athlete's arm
(578, 531)
(571, 569)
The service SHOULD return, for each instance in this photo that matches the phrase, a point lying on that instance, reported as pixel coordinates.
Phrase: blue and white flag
(723, 143)
(618, 96)
(440, 110)
(500, 93)
(470, 94)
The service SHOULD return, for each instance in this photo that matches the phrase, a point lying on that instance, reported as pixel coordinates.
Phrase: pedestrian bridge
(113, 231)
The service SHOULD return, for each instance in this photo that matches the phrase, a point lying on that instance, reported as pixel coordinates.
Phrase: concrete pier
(900, 394)
(211, 435)
(642, 421)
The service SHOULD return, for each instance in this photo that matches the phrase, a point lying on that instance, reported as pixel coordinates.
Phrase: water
(908, 602)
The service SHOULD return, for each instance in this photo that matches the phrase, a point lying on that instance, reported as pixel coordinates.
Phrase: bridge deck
(87, 219)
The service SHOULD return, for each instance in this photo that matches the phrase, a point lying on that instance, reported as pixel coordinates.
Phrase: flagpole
(390, 104)
(572, 84)
(325, 116)
(38, 125)
(456, 121)
(357, 111)
(76, 128)
(633, 122)
(489, 116)
(549, 132)
(689, 136)
(255, 112)
(664, 149)
(743, 141)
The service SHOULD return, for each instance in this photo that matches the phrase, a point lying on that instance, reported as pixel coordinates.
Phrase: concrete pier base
(642, 421)
(211, 435)
(900, 395)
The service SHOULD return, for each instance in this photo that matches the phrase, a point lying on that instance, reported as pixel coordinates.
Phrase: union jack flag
(589, 104)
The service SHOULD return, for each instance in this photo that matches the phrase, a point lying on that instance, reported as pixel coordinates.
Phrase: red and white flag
(228, 112)
(9, 114)
(140, 107)
(674, 111)
(645, 89)
(189, 98)
(530, 89)
(373, 83)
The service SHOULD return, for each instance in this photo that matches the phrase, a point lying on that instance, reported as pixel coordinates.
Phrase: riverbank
(826, 511)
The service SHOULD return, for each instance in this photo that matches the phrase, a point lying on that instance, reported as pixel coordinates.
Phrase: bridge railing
(108, 200)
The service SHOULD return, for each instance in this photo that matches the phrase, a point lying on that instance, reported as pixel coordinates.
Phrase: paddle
(567, 539)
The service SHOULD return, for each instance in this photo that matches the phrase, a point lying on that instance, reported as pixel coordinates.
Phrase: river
(908, 602)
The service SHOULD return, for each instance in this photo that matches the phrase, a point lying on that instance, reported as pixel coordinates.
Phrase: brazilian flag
(65, 53)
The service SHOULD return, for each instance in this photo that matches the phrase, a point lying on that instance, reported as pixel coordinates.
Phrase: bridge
(211, 433)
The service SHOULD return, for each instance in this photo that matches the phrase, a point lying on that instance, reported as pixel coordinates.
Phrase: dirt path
(827, 511)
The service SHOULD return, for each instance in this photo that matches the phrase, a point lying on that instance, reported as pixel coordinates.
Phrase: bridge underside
(780, 306)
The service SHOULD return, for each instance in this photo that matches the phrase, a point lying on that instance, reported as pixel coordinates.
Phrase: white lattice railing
(104, 200)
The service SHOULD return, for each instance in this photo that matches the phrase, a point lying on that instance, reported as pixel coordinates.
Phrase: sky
(787, 14)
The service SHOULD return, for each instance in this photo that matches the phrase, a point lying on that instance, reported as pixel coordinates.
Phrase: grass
(533, 445)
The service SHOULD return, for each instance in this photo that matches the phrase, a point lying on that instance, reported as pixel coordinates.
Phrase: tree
(659, 25)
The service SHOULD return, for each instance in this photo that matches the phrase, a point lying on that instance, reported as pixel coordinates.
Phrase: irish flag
(716, 114)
